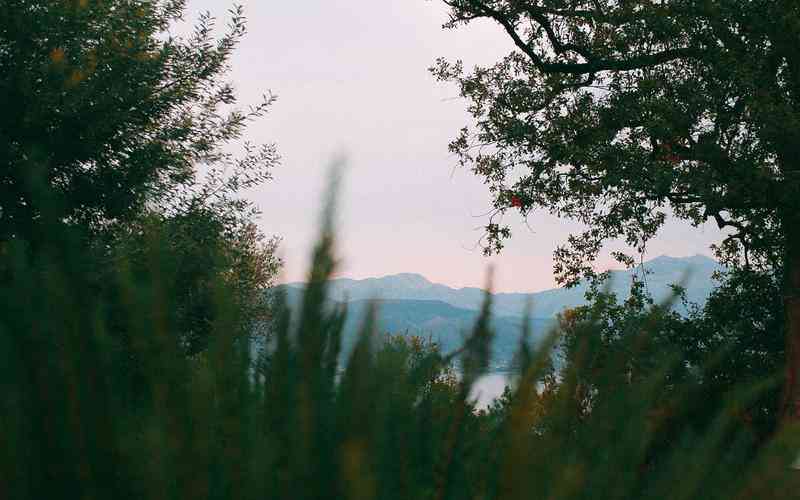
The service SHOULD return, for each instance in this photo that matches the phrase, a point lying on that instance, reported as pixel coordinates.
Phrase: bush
(88, 413)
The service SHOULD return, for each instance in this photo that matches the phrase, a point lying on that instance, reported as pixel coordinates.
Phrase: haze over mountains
(695, 273)
(410, 304)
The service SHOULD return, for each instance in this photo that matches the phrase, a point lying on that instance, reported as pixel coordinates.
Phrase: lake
(489, 387)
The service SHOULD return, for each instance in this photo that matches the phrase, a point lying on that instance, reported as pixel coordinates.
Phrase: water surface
(489, 387)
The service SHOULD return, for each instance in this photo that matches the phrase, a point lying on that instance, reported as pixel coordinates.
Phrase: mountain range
(412, 305)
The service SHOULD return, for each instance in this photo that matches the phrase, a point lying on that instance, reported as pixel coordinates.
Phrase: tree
(107, 113)
(716, 354)
(203, 257)
(615, 113)
(122, 130)
(735, 339)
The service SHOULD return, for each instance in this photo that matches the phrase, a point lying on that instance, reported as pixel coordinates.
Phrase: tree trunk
(791, 300)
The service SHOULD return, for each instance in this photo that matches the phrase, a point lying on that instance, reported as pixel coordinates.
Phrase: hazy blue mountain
(443, 323)
(409, 304)
(694, 273)
(438, 321)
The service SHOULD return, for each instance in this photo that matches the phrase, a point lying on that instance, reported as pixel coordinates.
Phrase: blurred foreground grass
(101, 400)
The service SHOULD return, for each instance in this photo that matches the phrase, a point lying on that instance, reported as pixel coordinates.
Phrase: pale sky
(351, 79)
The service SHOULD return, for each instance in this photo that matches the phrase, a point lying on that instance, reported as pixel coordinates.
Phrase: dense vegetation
(141, 357)
(619, 114)
(87, 415)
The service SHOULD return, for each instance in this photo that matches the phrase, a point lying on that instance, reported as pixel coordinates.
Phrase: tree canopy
(619, 113)
(120, 128)
(108, 113)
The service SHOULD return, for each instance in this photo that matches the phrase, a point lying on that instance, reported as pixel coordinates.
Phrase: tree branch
(593, 63)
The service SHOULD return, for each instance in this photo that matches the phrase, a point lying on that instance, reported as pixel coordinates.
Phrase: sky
(352, 82)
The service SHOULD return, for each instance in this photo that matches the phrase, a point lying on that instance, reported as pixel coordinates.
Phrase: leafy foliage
(120, 129)
(617, 114)
(85, 414)
(610, 112)
(130, 289)
(108, 113)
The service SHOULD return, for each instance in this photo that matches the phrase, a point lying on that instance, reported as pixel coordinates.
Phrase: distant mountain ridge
(442, 323)
(694, 273)
(409, 304)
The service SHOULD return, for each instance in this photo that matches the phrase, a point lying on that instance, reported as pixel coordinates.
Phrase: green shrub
(102, 400)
